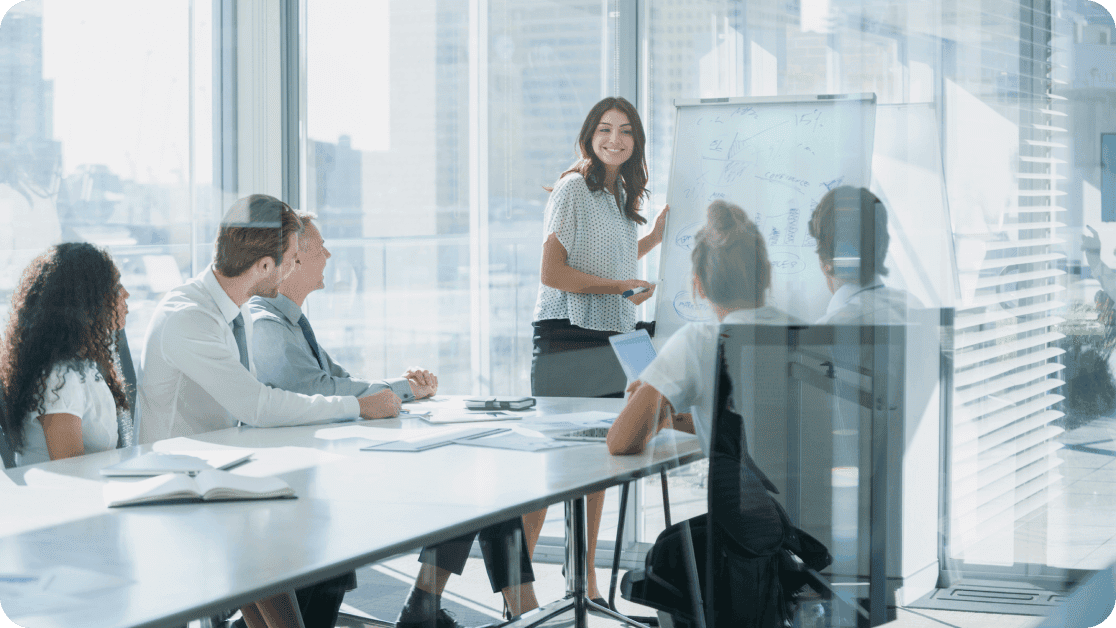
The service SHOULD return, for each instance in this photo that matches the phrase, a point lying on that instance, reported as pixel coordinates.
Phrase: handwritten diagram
(775, 159)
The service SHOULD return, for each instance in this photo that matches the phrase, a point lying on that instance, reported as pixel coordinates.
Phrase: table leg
(577, 549)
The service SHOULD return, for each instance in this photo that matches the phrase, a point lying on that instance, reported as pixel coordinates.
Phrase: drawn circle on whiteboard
(785, 263)
(689, 309)
(685, 237)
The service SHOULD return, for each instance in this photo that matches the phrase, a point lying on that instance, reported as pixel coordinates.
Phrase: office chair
(6, 453)
(128, 372)
(744, 561)
(618, 547)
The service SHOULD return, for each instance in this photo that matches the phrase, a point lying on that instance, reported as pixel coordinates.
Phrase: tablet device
(634, 351)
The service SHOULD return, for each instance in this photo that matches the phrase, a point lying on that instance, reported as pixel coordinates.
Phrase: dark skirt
(571, 361)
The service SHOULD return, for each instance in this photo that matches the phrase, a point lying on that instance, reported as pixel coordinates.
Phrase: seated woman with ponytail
(732, 272)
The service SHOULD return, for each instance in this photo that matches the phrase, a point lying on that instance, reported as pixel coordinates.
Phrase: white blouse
(599, 240)
(684, 371)
(83, 393)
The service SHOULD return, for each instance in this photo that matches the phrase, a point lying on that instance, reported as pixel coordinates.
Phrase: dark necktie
(309, 334)
(241, 341)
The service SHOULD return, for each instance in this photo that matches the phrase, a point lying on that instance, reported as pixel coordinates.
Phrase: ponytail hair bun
(730, 257)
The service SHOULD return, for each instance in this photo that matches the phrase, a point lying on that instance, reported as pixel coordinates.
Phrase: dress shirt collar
(228, 308)
(846, 292)
(285, 306)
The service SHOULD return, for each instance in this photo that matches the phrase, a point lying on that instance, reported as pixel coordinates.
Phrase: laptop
(634, 351)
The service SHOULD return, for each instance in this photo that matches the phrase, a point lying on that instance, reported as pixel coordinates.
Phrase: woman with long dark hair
(588, 273)
(63, 389)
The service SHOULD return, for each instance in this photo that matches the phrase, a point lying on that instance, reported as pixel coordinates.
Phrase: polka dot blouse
(599, 241)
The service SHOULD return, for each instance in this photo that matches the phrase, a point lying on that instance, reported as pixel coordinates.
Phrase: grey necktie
(241, 340)
(309, 334)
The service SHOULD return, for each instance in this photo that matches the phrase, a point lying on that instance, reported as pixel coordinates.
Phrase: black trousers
(504, 546)
(320, 603)
(571, 361)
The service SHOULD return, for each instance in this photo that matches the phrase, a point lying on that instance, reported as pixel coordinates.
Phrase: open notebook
(211, 485)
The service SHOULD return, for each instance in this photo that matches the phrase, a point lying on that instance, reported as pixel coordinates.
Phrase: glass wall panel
(426, 161)
(987, 136)
(105, 137)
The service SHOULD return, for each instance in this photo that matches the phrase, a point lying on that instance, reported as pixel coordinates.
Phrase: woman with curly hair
(63, 389)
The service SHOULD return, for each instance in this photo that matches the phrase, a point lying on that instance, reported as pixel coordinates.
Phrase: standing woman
(589, 260)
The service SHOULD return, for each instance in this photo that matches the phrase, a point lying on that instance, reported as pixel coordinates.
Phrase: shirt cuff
(401, 386)
(352, 407)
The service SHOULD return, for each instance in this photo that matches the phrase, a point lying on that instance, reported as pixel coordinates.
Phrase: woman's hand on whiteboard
(659, 230)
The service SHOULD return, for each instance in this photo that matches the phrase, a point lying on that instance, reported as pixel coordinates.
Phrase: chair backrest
(128, 372)
(127, 368)
(822, 406)
(6, 453)
(744, 521)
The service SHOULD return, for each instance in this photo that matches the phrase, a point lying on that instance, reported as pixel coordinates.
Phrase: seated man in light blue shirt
(287, 351)
(290, 358)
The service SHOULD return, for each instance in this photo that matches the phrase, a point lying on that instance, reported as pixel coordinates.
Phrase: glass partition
(106, 137)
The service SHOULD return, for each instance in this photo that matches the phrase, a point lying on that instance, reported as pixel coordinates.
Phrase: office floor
(383, 588)
(1077, 530)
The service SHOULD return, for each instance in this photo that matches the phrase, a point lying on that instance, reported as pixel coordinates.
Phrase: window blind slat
(999, 384)
(966, 482)
(970, 358)
(1023, 243)
(1009, 478)
(973, 338)
(988, 404)
(1001, 419)
(968, 452)
(1003, 262)
(973, 376)
(964, 320)
(1017, 429)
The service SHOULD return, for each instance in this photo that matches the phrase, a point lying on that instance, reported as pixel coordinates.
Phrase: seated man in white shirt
(197, 354)
(198, 372)
(850, 226)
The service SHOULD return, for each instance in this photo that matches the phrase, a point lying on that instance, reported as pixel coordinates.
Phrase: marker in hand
(635, 291)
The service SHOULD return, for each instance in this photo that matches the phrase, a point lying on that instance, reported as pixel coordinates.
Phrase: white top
(82, 393)
(193, 380)
(873, 304)
(599, 241)
(684, 372)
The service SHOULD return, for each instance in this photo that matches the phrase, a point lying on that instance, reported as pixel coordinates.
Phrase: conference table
(163, 565)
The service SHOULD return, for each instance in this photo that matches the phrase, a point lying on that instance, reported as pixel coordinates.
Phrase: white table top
(183, 561)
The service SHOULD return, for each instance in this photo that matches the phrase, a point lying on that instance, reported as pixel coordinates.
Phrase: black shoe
(442, 619)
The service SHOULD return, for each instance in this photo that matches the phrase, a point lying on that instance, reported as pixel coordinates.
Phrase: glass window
(105, 137)
(975, 110)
